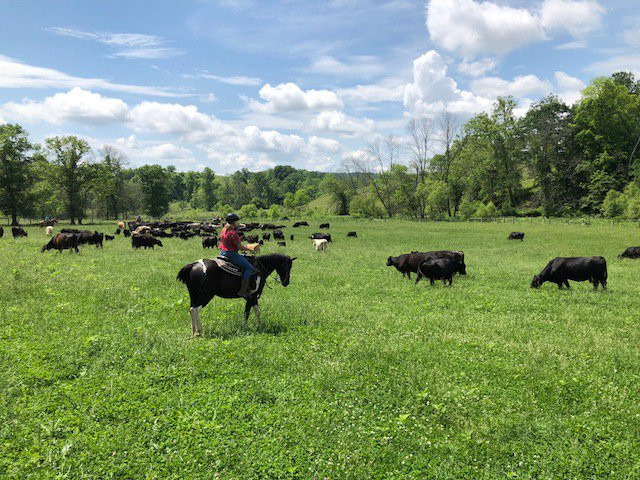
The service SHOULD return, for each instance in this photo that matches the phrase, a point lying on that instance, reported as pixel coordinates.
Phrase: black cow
(145, 241)
(631, 252)
(186, 235)
(1, 232)
(282, 244)
(117, 231)
(516, 236)
(324, 225)
(209, 242)
(321, 236)
(127, 233)
(278, 235)
(352, 234)
(252, 238)
(109, 237)
(159, 233)
(438, 269)
(409, 262)
(90, 238)
(62, 241)
(266, 236)
(579, 269)
(18, 232)
(300, 224)
(291, 237)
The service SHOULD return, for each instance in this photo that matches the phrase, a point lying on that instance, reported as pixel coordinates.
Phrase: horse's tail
(184, 273)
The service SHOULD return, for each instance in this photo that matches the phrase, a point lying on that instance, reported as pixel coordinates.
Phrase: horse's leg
(256, 310)
(196, 325)
(247, 312)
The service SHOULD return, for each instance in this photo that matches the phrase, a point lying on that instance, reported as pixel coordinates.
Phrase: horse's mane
(272, 256)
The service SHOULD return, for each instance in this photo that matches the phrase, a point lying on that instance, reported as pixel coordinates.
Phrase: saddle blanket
(231, 269)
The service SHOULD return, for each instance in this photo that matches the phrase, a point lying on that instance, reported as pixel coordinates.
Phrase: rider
(230, 243)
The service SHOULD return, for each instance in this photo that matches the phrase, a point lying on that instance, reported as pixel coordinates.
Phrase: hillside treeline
(553, 160)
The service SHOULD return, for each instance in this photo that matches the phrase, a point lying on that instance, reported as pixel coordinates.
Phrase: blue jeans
(239, 261)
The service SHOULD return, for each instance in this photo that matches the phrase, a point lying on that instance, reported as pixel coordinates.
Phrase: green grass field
(353, 373)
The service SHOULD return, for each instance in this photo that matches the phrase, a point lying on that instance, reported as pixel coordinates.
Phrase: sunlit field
(354, 372)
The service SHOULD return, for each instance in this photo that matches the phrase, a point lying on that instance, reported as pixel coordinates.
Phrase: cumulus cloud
(14, 74)
(520, 86)
(471, 27)
(339, 122)
(76, 105)
(627, 63)
(321, 144)
(289, 97)
(374, 93)
(253, 138)
(478, 68)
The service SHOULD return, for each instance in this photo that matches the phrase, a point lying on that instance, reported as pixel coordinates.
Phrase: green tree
(16, 177)
(154, 185)
(109, 182)
(209, 188)
(73, 174)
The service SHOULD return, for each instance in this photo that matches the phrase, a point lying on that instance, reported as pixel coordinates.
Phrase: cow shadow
(230, 330)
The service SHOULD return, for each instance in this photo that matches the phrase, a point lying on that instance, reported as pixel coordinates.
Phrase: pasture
(354, 372)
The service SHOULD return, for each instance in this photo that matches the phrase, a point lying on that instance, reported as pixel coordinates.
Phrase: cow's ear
(293, 258)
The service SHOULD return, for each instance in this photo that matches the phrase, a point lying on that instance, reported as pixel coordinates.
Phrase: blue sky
(254, 83)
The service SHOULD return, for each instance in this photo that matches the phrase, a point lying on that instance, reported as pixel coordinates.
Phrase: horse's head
(284, 270)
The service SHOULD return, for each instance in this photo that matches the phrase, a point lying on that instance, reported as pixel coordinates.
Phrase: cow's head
(389, 261)
(462, 268)
(536, 282)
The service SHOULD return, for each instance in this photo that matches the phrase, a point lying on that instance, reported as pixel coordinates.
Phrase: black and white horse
(205, 279)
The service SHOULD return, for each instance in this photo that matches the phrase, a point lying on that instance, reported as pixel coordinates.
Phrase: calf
(516, 236)
(121, 225)
(278, 235)
(209, 242)
(127, 233)
(631, 252)
(291, 237)
(117, 231)
(324, 225)
(321, 236)
(321, 245)
(62, 241)
(1, 232)
(408, 263)
(282, 244)
(145, 241)
(18, 232)
(108, 238)
(266, 236)
(352, 234)
(438, 269)
(48, 231)
(300, 224)
(579, 269)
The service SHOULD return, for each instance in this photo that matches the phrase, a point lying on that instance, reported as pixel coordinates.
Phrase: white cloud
(373, 93)
(519, 87)
(339, 122)
(76, 105)
(289, 97)
(575, 45)
(14, 74)
(168, 151)
(322, 144)
(239, 80)
(478, 68)
(471, 27)
(577, 17)
(236, 161)
(566, 82)
(627, 63)
(136, 45)
(357, 66)
(252, 138)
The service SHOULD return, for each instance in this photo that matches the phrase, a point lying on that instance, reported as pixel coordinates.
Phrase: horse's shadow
(229, 330)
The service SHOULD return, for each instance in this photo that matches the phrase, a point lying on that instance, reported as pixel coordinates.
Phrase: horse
(205, 279)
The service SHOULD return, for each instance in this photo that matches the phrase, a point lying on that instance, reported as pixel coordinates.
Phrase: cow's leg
(604, 284)
(409, 275)
(196, 325)
(566, 283)
(431, 280)
(559, 285)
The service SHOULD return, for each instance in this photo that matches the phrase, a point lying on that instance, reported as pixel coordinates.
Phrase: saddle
(231, 269)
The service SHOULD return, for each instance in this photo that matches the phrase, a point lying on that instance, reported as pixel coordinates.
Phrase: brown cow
(62, 241)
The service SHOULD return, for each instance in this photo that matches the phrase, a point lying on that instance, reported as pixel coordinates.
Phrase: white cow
(48, 231)
(321, 245)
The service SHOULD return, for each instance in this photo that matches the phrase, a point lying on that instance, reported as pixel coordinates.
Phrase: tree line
(555, 160)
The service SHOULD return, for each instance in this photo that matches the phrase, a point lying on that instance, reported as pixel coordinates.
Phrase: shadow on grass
(234, 329)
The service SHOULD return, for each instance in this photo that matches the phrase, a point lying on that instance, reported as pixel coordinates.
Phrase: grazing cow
(252, 238)
(324, 225)
(300, 224)
(631, 252)
(438, 269)
(1, 232)
(409, 262)
(278, 235)
(352, 234)
(209, 242)
(117, 231)
(579, 269)
(186, 235)
(63, 241)
(145, 241)
(516, 236)
(127, 233)
(90, 238)
(321, 245)
(109, 238)
(142, 229)
(121, 226)
(18, 232)
(291, 237)
(266, 236)
(48, 231)
(282, 244)
(321, 236)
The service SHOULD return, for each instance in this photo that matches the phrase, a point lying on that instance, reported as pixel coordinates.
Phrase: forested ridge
(553, 160)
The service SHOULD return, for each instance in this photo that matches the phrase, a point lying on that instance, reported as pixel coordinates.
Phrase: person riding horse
(230, 243)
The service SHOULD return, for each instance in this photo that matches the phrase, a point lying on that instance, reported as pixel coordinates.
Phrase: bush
(487, 211)
(614, 204)
(468, 208)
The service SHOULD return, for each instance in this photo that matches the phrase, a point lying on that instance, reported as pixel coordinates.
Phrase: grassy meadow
(354, 373)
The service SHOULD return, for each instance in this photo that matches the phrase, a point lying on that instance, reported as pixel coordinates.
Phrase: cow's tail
(185, 273)
(605, 268)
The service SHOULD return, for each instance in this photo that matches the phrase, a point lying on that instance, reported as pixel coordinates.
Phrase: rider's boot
(244, 289)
